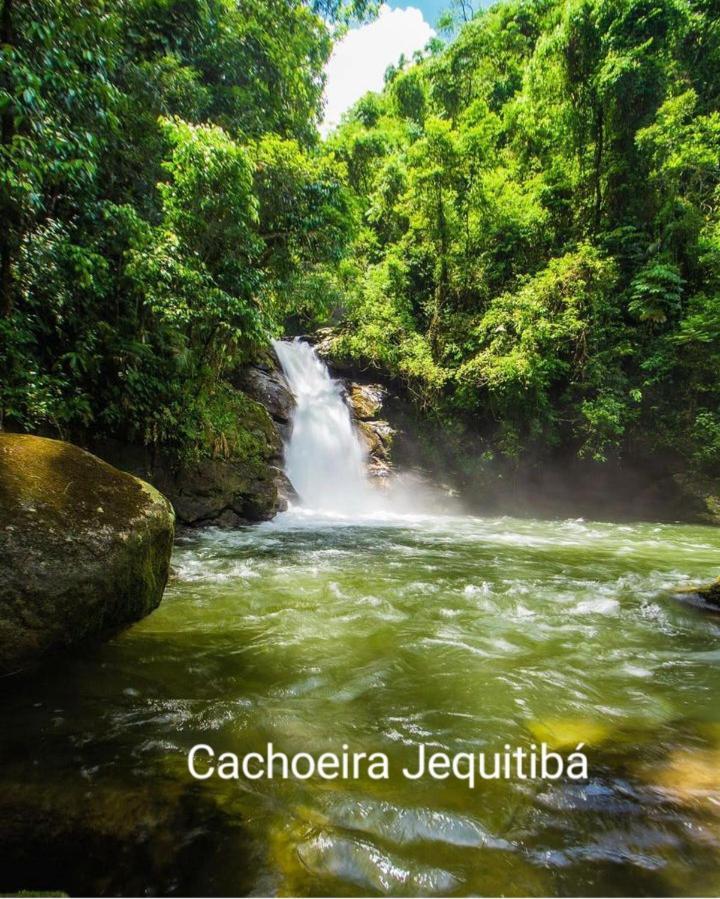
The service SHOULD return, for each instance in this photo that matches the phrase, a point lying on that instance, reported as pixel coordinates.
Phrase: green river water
(457, 632)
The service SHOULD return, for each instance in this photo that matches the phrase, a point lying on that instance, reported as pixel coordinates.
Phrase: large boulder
(84, 548)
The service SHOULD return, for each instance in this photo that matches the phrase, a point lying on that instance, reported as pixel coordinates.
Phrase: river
(384, 631)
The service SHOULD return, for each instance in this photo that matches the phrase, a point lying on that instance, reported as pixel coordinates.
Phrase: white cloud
(359, 60)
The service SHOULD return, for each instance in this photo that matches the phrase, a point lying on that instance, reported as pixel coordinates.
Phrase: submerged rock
(707, 594)
(689, 773)
(84, 548)
(566, 733)
(111, 838)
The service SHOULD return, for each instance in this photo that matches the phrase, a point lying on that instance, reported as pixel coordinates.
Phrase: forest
(394, 443)
(522, 228)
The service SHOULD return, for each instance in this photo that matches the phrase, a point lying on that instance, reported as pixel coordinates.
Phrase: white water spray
(324, 459)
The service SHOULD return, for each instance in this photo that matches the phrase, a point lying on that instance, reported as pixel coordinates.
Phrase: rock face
(266, 384)
(700, 497)
(84, 548)
(219, 492)
(366, 400)
(229, 485)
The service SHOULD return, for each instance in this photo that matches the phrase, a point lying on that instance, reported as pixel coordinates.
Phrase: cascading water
(324, 458)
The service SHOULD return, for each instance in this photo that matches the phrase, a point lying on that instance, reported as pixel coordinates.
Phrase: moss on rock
(84, 548)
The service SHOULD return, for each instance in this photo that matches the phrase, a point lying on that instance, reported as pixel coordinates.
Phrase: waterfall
(324, 457)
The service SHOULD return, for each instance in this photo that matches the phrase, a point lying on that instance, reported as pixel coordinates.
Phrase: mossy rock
(711, 593)
(231, 476)
(564, 734)
(84, 548)
(708, 594)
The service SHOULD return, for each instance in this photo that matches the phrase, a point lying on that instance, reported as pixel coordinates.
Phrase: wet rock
(379, 470)
(710, 593)
(706, 594)
(378, 438)
(366, 399)
(220, 492)
(109, 839)
(566, 733)
(267, 385)
(264, 382)
(84, 548)
(286, 492)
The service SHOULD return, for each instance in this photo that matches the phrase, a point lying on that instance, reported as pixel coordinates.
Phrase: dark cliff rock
(219, 492)
(698, 496)
(266, 384)
(234, 482)
(227, 485)
(84, 548)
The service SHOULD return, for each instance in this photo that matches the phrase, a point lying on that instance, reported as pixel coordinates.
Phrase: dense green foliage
(538, 241)
(524, 226)
(162, 187)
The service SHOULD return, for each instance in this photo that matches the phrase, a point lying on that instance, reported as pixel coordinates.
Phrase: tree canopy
(523, 226)
(162, 186)
(536, 244)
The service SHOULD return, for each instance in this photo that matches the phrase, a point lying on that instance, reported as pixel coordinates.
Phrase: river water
(384, 631)
(460, 633)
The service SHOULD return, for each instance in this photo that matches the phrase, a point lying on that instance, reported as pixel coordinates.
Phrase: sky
(359, 60)
(430, 9)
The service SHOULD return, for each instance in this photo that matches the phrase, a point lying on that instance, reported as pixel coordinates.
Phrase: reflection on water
(456, 632)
